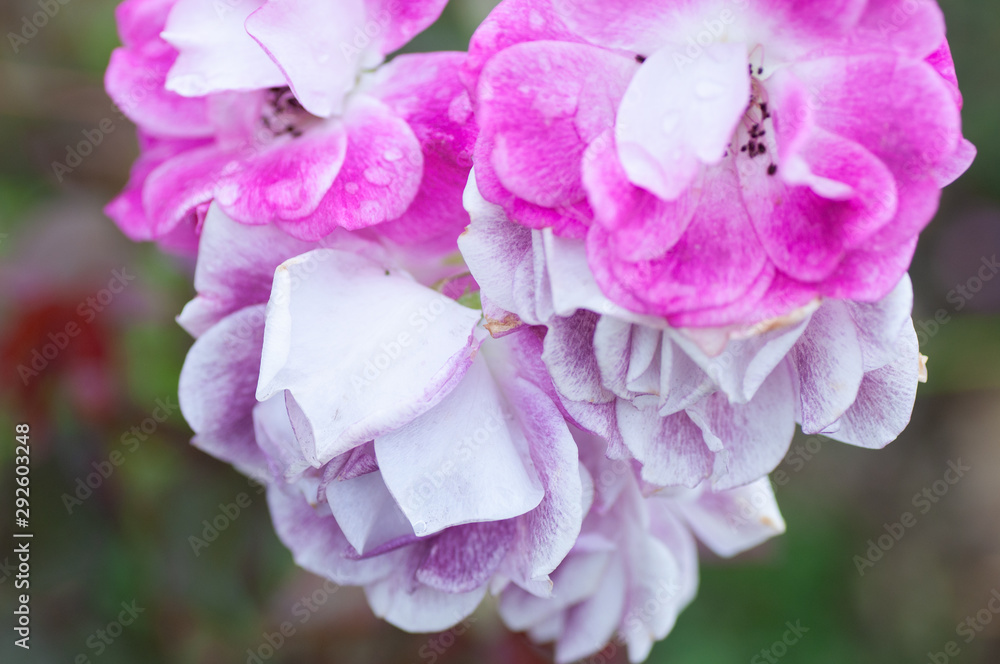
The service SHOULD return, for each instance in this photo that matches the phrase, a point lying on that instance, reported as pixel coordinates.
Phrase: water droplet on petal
(708, 89)
(378, 176)
(351, 188)
(670, 121)
(371, 212)
(392, 154)
(419, 528)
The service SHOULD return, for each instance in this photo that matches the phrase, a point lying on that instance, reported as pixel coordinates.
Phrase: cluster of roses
(534, 319)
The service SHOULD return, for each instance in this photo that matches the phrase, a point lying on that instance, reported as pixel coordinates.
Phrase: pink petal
(557, 96)
(644, 226)
(285, 181)
(901, 110)
(677, 281)
(912, 28)
(399, 22)
(512, 22)
(127, 209)
(424, 91)
(135, 81)
(137, 73)
(807, 229)
(378, 180)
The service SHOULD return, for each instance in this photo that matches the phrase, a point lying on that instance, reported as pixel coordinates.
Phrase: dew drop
(392, 154)
(351, 187)
(670, 121)
(371, 211)
(708, 89)
(378, 176)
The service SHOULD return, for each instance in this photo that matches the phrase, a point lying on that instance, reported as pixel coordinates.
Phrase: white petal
(216, 53)
(679, 113)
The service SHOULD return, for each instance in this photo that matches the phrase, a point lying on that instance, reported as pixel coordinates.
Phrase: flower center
(283, 114)
(752, 135)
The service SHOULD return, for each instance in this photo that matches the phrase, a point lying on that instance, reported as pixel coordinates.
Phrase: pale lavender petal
(318, 544)
(444, 472)
(592, 623)
(569, 356)
(389, 347)
(672, 448)
(731, 522)
(217, 386)
(464, 558)
(366, 512)
(755, 436)
(828, 364)
(416, 607)
(885, 399)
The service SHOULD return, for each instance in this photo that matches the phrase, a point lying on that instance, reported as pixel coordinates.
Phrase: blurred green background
(128, 540)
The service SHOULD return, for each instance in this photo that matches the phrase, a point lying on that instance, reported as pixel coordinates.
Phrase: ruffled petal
(391, 348)
(318, 544)
(315, 45)
(379, 177)
(730, 522)
(885, 399)
(673, 119)
(753, 437)
(216, 53)
(217, 387)
(425, 92)
(443, 472)
(829, 366)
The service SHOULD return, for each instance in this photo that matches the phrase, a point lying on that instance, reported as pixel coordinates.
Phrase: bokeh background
(110, 395)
